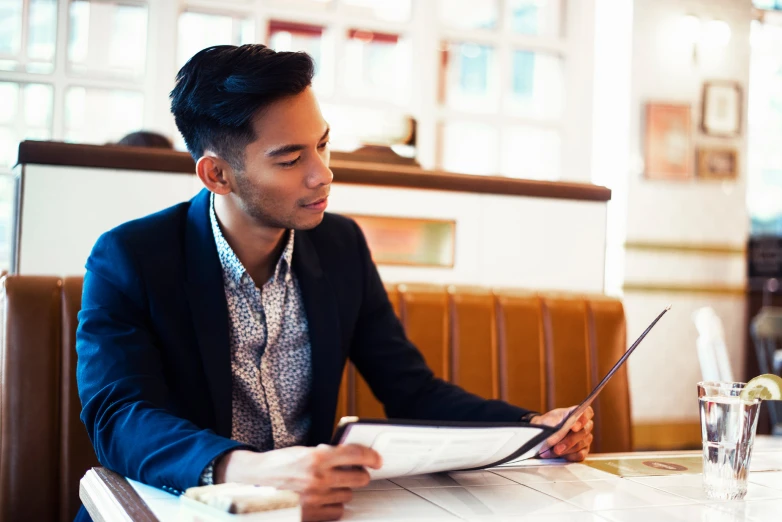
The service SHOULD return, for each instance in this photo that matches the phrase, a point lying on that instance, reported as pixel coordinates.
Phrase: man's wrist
(529, 416)
(207, 476)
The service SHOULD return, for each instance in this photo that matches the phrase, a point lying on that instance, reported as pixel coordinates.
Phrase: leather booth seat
(537, 350)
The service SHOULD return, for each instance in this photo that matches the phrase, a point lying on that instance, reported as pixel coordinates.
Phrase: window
(536, 17)
(25, 113)
(107, 39)
(501, 88)
(201, 30)
(470, 148)
(94, 115)
(35, 53)
(377, 66)
(483, 79)
(764, 156)
(469, 14)
(531, 153)
(294, 36)
(471, 77)
(768, 4)
(538, 86)
(389, 10)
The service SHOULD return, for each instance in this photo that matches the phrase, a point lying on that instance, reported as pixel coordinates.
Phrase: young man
(213, 334)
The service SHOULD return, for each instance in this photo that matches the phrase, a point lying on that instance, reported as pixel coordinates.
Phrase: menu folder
(411, 447)
(414, 447)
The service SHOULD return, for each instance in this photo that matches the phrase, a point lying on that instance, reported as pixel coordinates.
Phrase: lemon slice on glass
(767, 387)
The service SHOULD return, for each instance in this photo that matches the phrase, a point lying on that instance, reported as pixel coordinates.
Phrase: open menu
(410, 447)
(416, 448)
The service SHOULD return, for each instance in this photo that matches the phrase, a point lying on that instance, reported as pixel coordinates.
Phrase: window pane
(353, 126)
(38, 105)
(9, 146)
(536, 17)
(468, 14)
(764, 114)
(470, 77)
(293, 36)
(390, 10)
(43, 30)
(25, 113)
(41, 33)
(9, 101)
(10, 26)
(101, 115)
(107, 37)
(531, 153)
(470, 148)
(198, 31)
(35, 100)
(537, 90)
(377, 66)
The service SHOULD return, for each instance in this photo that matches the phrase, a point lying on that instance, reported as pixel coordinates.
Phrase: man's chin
(309, 223)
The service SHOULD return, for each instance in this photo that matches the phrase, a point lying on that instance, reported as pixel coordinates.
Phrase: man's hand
(324, 477)
(572, 445)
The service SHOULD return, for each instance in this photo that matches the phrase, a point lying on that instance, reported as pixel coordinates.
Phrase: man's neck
(258, 247)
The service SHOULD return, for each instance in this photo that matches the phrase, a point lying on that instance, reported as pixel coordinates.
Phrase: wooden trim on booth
(665, 288)
(663, 436)
(685, 248)
(352, 172)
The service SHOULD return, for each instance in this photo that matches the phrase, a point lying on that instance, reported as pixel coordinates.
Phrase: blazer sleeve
(126, 406)
(396, 371)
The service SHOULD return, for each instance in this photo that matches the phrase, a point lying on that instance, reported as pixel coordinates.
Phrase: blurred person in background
(146, 139)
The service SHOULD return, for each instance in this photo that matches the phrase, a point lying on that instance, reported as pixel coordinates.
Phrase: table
(551, 492)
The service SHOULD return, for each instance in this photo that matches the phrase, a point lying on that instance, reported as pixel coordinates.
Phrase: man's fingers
(573, 439)
(322, 513)
(354, 455)
(577, 457)
(327, 497)
(581, 445)
(347, 477)
(584, 419)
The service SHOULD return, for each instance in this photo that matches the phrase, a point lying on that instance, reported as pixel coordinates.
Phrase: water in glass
(728, 426)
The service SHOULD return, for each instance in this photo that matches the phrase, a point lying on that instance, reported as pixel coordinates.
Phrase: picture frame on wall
(718, 163)
(668, 147)
(721, 109)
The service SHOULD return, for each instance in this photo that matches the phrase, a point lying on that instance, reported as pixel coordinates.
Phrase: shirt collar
(233, 268)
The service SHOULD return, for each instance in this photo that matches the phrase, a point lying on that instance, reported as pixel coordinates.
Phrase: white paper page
(416, 450)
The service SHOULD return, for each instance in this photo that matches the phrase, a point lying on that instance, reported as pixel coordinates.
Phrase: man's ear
(214, 173)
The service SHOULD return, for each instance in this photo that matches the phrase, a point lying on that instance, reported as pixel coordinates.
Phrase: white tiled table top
(555, 492)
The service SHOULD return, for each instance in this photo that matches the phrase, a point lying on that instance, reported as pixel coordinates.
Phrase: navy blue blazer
(154, 364)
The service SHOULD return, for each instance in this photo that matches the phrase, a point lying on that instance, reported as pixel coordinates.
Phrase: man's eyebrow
(287, 149)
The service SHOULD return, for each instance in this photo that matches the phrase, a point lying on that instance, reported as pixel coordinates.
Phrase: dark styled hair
(219, 90)
(146, 139)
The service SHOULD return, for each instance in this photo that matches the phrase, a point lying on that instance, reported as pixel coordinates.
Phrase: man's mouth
(318, 204)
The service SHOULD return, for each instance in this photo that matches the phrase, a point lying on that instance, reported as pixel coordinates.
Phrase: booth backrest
(537, 350)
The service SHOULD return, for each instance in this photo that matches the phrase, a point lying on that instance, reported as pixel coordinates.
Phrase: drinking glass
(728, 425)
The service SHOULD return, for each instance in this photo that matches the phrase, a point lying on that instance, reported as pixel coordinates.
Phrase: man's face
(286, 178)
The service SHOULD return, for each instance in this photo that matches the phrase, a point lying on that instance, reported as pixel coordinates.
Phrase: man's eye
(287, 164)
(324, 145)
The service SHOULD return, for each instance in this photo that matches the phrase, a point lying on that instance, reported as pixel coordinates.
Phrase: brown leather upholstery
(539, 351)
(76, 453)
(536, 350)
(29, 403)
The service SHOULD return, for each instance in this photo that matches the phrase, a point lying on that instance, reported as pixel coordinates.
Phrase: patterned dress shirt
(270, 352)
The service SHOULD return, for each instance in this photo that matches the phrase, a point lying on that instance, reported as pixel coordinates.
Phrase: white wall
(502, 241)
(692, 213)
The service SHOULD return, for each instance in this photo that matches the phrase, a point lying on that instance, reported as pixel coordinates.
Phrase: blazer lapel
(320, 305)
(209, 309)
